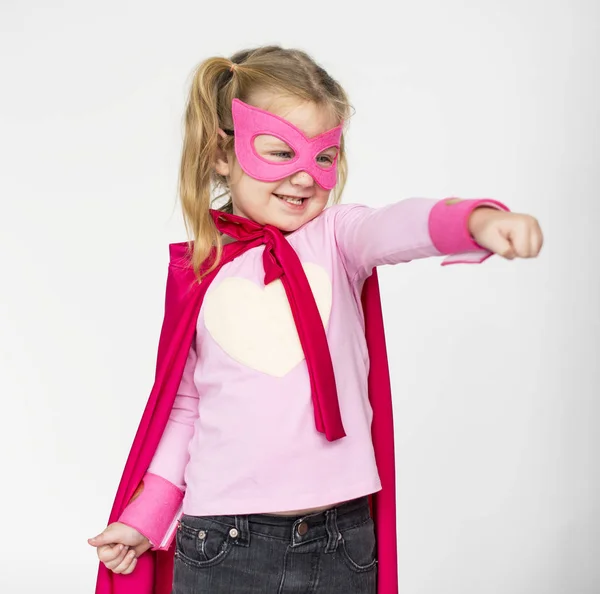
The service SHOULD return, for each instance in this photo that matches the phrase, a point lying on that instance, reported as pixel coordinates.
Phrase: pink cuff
(449, 229)
(154, 513)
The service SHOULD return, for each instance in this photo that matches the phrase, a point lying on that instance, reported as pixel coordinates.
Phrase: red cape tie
(281, 262)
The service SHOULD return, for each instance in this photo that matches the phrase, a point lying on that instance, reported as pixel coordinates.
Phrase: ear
(221, 162)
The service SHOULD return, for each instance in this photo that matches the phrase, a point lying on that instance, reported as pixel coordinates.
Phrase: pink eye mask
(250, 122)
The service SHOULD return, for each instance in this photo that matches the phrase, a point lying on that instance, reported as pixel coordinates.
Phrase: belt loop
(243, 537)
(333, 532)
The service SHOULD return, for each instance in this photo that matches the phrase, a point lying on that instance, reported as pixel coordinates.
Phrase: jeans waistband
(302, 528)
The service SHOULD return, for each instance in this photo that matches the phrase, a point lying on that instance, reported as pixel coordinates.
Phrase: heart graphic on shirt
(254, 324)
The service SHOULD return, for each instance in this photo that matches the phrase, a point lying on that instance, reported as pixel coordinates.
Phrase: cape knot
(270, 235)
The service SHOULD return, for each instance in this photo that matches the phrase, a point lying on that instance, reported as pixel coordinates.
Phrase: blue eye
(327, 158)
(282, 154)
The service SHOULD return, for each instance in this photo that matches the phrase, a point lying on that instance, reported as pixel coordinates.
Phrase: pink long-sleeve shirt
(241, 436)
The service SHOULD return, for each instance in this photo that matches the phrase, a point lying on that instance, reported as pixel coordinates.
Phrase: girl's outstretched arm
(406, 230)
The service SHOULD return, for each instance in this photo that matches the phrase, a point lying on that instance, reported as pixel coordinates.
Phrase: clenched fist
(119, 547)
(510, 235)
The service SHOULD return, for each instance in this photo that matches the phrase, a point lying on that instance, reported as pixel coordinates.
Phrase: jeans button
(233, 533)
(302, 528)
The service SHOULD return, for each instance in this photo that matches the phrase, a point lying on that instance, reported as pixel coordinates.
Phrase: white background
(494, 367)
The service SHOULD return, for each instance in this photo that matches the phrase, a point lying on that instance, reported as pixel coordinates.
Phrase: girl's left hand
(511, 235)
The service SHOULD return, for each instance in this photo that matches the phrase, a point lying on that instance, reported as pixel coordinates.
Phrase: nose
(302, 178)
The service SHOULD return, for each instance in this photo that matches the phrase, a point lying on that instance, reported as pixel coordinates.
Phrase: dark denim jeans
(331, 552)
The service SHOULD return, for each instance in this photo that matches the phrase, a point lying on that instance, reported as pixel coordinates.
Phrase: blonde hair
(216, 82)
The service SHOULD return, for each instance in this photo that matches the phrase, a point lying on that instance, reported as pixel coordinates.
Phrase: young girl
(265, 453)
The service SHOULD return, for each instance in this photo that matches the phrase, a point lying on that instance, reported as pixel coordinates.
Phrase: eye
(325, 159)
(282, 154)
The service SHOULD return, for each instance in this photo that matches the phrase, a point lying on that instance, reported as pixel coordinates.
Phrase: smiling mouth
(297, 200)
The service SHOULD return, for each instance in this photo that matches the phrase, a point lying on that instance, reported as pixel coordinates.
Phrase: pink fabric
(274, 409)
(448, 225)
(202, 436)
(281, 262)
(250, 122)
(365, 238)
(163, 498)
(383, 504)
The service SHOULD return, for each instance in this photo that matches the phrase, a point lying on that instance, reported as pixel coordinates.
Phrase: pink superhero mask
(255, 127)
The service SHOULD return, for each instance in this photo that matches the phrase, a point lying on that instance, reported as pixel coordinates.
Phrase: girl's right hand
(119, 547)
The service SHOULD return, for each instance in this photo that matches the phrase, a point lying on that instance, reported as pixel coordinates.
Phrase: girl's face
(276, 203)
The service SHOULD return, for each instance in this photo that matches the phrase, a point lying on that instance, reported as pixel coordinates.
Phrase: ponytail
(196, 175)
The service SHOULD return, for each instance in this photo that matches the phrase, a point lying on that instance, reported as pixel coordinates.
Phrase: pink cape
(154, 571)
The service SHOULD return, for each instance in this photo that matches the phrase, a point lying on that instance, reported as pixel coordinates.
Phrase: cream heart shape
(254, 325)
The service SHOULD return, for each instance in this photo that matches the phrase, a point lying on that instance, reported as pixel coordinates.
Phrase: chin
(289, 228)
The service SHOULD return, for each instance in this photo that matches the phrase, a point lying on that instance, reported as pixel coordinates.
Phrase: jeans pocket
(201, 542)
(359, 547)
